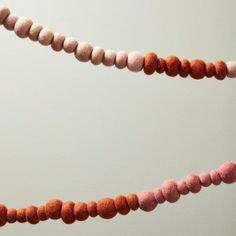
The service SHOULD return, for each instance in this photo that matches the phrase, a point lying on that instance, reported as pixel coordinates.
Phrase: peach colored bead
(182, 187)
(121, 59)
(147, 201)
(10, 22)
(193, 183)
(205, 179)
(22, 27)
(34, 31)
(45, 36)
(83, 51)
(109, 58)
(170, 191)
(231, 67)
(4, 12)
(135, 61)
(70, 44)
(57, 42)
(215, 177)
(159, 195)
(97, 55)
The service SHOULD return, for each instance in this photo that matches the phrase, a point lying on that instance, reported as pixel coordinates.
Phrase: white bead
(231, 66)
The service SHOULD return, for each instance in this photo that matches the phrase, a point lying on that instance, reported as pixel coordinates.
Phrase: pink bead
(45, 36)
(4, 12)
(135, 61)
(215, 177)
(57, 42)
(193, 183)
(170, 191)
(147, 201)
(70, 44)
(109, 58)
(182, 187)
(83, 51)
(97, 55)
(34, 31)
(227, 172)
(22, 27)
(121, 59)
(10, 22)
(159, 195)
(205, 179)
(231, 66)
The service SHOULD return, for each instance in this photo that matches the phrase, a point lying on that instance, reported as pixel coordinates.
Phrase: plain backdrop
(79, 132)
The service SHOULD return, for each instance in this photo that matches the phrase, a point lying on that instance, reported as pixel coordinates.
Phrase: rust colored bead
(197, 69)
(172, 66)
(220, 70)
(210, 70)
(41, 213)
(11, 215)
(31, 215)
(184, 68)
(132, 200)
(81, 211)
(150, 63)
(106, 208)
(3, 215)
(53, 209)
(92, 209)
(67, 212)
(21, 216)
(122, 205)
(161, 65)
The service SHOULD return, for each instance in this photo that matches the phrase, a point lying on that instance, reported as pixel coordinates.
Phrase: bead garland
(107, 208)
(134, 61)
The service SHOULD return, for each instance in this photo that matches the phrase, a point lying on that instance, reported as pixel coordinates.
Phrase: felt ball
(106, 208)
(97, 55)
(205, 179)
(122, 205)
(121, 59)
(41, 213)
(172, 66)
(159, 195)
(10, 22)
(215, 177)
(70, 44)
(184, 68)
(3, 215)
(20, 215)
(227, 172)
(81, 211)
(57, 42)
(45, 36)
(67, 212)
(231, 68)
(210, 69)
(4, 12)
(132, 200)
(92, 209)
(53, 209)
(22, 27)
(147, 201)
(161, 65)
(83, 51)
(31, 215)
(197, 69)
(109, 58)
(34, 31)
(182, 187)
(135, 61)
(11, 215)
(170, 191)
(220, 70)
(150, 63)
(193, 183)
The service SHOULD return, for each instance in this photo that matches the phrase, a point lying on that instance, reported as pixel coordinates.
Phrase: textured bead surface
(83, 51)
(215, 177)
(31, 215)
(159, 195)
(109, 58)
(170, 191)
(20, 215)
(184, 68)
(3, 215)
(147, 201)
(205, 179)
(57, 42)
(210, 70)
(227, 172)
(22, 27)
(41, 213)
(92, 209)
(132, 200)
(67, 212)
(150, 63)
(81, 211)
(97, 55)
(10, 22)
(11, 215)
(45, 36)
(135, 61)
(106, 208)
(182, 187)
(193, 183)
(121, 59)
(161, 66)
(53, 209)
(172, 66)
(34, 31)
(4, 12)
(220, 70)
(231, 68)
(197, 69)
(121, 205)
(70, 44)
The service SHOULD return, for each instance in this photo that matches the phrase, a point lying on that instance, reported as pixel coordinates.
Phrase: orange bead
(172, 66)
(122, 205)
(210, 70)
(67, 212)
(41, 213)
(161, 65)
(53, 209)
(31, 215)
(106, 208)
(11, 215)
(81, 211)
(184, 68)
(92, 209)
(21, 216)
(3, 215)
(197, 69)
(220, 70)
(132, 200)
(150, 63)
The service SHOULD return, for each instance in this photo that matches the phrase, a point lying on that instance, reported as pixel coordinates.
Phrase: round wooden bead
(45, 37)
(132, 200)
(97, 55)
(34, 31)
(21, 216)
(106, 208)
(3, 215)
(22, 27)
(172, 66)
(227, 172)
(220, 70)
(11, 215)
(197, 69)
(150, 63)
(92, 209)
(147, 201)
(41, 213)
(81, 211)
(205, 179)
(121, 59)
(70, 44)
(10, 22)
(4, 12)
(83, 51)
(121, 205)
(170, 191)
(57, 42)
(135, 61)
(67, 212)
(231, 68)
(109, 58)
(210, 70)
(184, 68)
(182, 187)
(31, 215)
(215, 177)
(161, 65)
(159, 195)
(53, 209)
(193, 183)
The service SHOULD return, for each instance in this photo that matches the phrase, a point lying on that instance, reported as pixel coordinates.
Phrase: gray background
(80, 132)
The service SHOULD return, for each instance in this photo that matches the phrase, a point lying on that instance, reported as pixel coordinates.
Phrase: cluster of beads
(134, 61)
(107, 208)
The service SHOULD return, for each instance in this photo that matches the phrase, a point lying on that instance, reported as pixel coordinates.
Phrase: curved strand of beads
(107, 208)
(134, 61)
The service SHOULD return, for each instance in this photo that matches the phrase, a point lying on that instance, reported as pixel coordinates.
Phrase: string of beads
(107, 208)
(134, 61)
